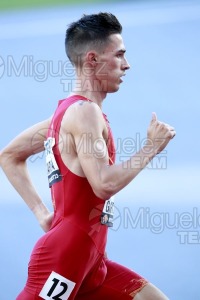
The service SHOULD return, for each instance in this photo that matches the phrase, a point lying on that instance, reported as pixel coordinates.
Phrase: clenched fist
(159, 134)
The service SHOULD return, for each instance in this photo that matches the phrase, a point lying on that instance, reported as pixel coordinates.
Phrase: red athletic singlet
(68, 262)
(73, 196)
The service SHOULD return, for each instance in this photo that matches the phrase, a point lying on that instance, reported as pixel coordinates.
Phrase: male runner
(69, 261)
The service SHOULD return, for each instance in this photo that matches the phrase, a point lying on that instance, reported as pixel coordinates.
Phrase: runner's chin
(114, 88)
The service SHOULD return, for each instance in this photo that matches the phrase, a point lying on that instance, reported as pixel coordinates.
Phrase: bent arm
(13, 162)
(107, 180)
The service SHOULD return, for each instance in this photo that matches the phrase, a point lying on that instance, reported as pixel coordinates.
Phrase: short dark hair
(90, 31)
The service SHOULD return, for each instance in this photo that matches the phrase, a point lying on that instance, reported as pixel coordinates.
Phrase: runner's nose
(126, 65)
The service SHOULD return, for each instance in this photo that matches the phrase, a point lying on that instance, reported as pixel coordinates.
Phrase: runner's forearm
(17, 173)
(114, 178)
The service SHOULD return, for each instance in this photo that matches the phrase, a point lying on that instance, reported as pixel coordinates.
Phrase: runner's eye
(120, 55)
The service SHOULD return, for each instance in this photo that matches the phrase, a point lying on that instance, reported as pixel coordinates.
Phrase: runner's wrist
(40, 211)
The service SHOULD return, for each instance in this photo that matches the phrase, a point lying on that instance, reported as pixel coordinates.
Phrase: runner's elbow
(104, 191)
(3, 158)
(7, 157)
(0, 158)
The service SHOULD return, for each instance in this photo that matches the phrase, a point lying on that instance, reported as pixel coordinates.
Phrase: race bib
(53, 171)
(108, 213)
(57, 287)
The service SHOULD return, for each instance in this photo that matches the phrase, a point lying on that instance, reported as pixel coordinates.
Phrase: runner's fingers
(172, 133)
(166, 126)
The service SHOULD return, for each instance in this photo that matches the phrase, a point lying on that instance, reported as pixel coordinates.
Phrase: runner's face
(112, 64)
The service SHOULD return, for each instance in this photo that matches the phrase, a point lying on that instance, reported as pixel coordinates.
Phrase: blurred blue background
(157, 222)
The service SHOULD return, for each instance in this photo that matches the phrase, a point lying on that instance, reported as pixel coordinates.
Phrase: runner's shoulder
(86, 112)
